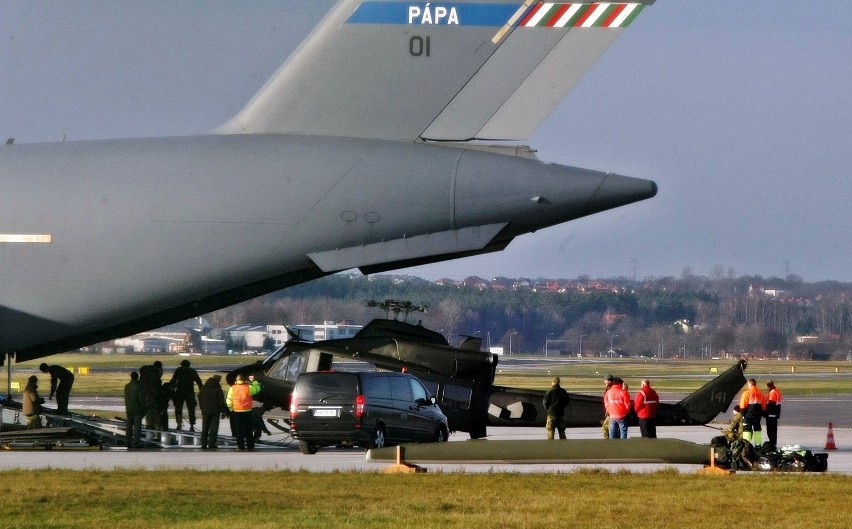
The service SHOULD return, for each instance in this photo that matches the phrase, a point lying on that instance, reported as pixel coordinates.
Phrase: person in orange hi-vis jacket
(646, 409)
(753, 404)
(617, 402)
(773, 412)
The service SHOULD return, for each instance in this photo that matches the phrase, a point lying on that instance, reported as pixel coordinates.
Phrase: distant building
(278, 334)
(328, 330)
(249, 336)
(155, 345)
(149, 342)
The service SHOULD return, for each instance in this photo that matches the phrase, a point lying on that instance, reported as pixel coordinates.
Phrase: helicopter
(460, 378)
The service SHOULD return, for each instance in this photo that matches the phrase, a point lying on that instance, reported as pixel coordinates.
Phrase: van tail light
(359, 406)
(293, 408)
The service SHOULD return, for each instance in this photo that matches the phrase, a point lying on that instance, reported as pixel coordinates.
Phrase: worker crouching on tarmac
(32, 403)
(239, 402)
(735, 428)
(753, 405)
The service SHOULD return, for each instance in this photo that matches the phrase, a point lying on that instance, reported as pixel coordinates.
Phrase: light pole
(545, 342)
(611, 351)
(510, 342)
(581, 345)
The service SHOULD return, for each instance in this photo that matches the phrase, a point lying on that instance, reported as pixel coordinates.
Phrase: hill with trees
(690, 316)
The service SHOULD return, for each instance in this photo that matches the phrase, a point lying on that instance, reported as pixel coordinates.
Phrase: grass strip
(591, 498)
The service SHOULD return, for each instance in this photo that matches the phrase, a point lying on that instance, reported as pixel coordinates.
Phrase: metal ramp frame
(76, 430)
(182, 439)
(111, 433)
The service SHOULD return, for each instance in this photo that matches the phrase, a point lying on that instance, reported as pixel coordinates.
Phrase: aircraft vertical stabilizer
(714, 397)
(437, 71)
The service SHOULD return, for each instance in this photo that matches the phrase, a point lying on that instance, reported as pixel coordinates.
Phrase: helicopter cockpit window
(431, 387)
(457, 397)
(418, 391)
(288, 368)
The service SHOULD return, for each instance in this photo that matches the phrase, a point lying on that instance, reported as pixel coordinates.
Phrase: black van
(368, 409)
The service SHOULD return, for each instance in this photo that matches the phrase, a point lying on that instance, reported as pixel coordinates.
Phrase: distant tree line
(690, 316)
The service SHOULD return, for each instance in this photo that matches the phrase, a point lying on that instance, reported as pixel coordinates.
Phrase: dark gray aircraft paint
(371, 148)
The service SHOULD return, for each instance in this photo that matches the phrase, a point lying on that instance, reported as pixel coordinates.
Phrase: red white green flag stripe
(595, 15)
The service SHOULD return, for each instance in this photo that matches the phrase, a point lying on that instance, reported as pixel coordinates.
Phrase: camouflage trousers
(555, 423)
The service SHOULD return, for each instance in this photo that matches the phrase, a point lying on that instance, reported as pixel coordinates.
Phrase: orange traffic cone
(829, 441)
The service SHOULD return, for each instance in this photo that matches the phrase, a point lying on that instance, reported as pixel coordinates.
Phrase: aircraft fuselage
(101, 239)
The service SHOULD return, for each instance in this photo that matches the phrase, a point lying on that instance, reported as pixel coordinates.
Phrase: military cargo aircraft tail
(438, 71)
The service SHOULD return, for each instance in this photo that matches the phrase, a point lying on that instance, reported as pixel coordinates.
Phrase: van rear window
(327, 387)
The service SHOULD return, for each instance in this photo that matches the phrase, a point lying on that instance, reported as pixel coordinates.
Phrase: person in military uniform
(211, 399)
(183, 384)
(61, 381)
(735, 428)
(555, 402)
(605, 421)
(134, 407)
(164, 398)
(32, 403)
(150, 376)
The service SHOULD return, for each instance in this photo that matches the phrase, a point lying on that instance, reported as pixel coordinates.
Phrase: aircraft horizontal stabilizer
(445, 242)
(496, 246)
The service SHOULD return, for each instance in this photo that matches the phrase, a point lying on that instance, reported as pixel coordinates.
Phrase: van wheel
(441, 434)
(307, 448)
(379, 438)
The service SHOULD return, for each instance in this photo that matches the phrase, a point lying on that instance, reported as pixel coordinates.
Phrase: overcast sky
(740, 111)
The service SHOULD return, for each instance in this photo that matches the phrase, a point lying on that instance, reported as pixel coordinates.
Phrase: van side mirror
(424, 402)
